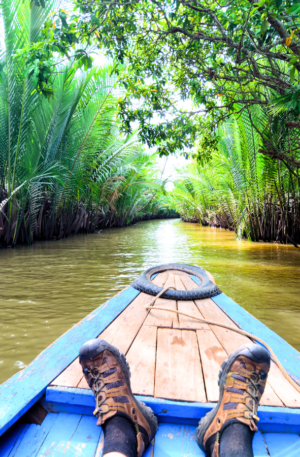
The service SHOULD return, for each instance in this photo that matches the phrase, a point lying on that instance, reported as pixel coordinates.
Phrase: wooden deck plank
(178, 369)
(99, 450)
(287, 393)
(61, 433)
(161, 318)
(231, 341)
(83, 384)
(121, 332)
(283, 444)
(128, 323)
(189, 284)
(178, 283)
(289, 356)
(270, 398)
(141, 359)
(172, 440)
(259, 446)
(10, 441)
(70, 377)
(23, 389)
(212, 356)
(34, 437)
(160, 279)
(189, 307)
(84, 442)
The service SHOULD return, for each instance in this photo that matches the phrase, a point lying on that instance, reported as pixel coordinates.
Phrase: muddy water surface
(47, 288)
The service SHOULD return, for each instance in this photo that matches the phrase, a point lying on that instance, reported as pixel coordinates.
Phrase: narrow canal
(47, 288)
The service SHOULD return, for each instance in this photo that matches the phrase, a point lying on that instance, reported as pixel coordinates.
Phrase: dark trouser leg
(236, 441)
(119, 436)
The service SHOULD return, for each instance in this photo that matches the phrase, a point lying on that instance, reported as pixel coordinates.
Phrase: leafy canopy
(212, 55)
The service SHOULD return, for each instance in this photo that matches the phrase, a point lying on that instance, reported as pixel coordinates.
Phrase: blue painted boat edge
(23, 389)
(81, 401)
(288, 356)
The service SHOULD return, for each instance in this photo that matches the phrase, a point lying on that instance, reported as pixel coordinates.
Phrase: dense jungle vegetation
(216, 81)
(65, 167)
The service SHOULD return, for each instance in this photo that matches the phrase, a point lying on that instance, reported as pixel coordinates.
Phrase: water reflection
(47, 288)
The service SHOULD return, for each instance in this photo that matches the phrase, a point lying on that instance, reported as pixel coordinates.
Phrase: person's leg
(228, 430)
(128, 425)
(119, 437)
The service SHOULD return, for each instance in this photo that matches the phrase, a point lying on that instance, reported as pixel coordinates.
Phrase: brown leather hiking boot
(108, 375)
(242, 381)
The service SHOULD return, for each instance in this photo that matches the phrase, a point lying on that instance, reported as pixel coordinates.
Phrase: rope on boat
(237, 330)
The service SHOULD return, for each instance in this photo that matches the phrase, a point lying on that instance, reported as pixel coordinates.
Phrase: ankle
(236, 441)
(119, 437)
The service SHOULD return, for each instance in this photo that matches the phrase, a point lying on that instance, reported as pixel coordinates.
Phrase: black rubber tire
(207, 289)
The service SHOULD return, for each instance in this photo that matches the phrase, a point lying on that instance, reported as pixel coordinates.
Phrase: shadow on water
(47, 288)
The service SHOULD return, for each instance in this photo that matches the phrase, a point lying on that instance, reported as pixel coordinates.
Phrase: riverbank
(278, 229)
(47, 288)
(47, 226)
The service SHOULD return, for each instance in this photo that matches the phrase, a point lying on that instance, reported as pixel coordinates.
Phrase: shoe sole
(225, 367)
(144, 410)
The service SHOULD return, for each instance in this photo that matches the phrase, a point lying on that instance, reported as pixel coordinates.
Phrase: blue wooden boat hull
(70, 429)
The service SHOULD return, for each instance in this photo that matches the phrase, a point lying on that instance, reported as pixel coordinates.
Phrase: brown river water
(47, 288)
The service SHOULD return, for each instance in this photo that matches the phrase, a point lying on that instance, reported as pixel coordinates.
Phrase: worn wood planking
(34, 437)
(178, 283)
(179, 273)
(83, 384)
(84, 442)
(121, 332)
(259, 446)
(188, 283)
(22, 390)
(99, 450)
(61, 433)
(285, 420)
(178, 369)
(212, 356)
(231, 341)
(287, 393)
(163, 318)
(160, 279)
(269, 397)
(141, 359)
(129, 323)
(10, 441)
(189, 307)
(288, 356)
(126, 323)
(278, 390)
(71, 376)
(282, 444)
(172, 440)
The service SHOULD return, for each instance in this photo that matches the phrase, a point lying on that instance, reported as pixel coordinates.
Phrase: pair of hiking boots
(242, 380)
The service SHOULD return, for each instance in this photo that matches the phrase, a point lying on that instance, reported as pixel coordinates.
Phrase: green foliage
(63, 154)
(216, 56)
(240, 189)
